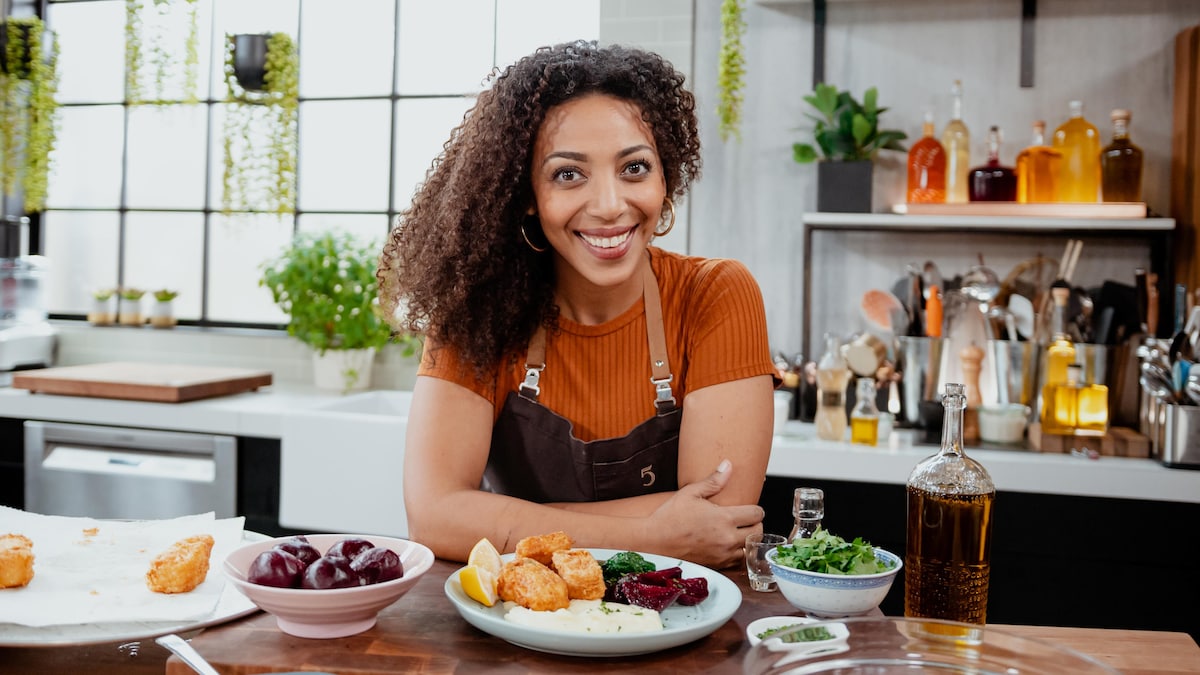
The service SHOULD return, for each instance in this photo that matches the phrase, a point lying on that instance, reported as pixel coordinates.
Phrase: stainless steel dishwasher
(121, 472)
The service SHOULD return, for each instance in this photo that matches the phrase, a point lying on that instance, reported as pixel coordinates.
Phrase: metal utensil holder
(1180, 439)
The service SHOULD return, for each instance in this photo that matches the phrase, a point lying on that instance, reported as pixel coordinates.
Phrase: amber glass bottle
(993, 182)
(1121, 163)
(1079, 171)
(927, 168)
(956, 140)
(1037, 166)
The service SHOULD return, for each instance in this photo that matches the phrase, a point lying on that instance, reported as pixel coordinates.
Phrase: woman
(576, 378)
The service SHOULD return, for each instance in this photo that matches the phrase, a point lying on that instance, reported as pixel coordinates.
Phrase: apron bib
(535, 455)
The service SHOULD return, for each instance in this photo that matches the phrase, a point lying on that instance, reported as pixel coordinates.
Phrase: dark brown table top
(423, 632)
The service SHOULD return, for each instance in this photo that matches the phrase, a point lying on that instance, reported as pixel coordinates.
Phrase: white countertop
(796, 453)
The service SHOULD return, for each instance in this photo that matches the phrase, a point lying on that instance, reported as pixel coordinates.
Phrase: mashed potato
(588, 616)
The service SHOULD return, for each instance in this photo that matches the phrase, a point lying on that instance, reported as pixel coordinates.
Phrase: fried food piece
(532, 585)
(182, 567)
(542, 547)
(585, 579)
(16, 560)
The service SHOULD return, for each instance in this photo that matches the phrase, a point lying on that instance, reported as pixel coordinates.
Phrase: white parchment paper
(86, 576)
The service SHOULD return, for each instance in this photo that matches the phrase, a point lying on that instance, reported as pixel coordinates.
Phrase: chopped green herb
(810, 634)
(830, 554)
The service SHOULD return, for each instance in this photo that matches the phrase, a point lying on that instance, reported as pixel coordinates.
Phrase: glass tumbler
(757, 567)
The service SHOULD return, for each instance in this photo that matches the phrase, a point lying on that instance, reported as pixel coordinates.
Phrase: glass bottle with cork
(927, 168)
(993, 182)
(1079, 171)
(864, 420)
(947, 563)
(808, 509)
(1037, 169)
(1121, 163)
(832, 377)
(1057, 418)
(956, 141)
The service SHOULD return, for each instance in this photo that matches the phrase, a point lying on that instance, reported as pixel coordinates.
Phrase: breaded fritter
(585, 579)
(532, 585)
(16, 560)
(542, 547)
(182, 567)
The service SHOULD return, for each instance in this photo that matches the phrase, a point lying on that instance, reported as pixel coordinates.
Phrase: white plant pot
(344, 370)
(102, 312)
(129, 312)
(162, 314)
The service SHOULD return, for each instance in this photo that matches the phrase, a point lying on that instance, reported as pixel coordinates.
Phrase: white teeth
(606, 242)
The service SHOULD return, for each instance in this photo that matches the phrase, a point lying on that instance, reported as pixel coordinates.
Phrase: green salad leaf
(626, 562)
(830, 554)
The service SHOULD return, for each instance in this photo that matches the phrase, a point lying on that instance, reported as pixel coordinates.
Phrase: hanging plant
(261, 125)
(28, 111)
(151, 31)
(731, 69)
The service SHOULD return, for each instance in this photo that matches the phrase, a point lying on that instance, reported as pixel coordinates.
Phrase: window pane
(249, 16)
(85, 167)
(164, 31)
(426, 65)
(82, 249)
(238, 247)
(164, 250)
(524, 25)
(166, 156)
(363, 227)
(347, 53)
(422, 127)
(344, 155)
(91, 50)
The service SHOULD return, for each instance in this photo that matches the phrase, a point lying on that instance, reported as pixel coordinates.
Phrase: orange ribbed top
(599, 376)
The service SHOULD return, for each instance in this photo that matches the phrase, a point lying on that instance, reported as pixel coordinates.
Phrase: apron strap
(660, 367)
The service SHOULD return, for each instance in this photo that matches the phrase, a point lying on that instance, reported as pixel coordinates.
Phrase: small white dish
(760, 626)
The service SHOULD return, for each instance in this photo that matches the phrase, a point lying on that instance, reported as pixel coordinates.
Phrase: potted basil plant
(847, 136)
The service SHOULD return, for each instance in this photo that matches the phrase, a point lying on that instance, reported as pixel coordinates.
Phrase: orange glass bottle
(1120, 163)
(1079, 172)
(1037, 168)
(927, 168)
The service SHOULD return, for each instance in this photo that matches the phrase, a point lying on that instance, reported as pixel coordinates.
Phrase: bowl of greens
(827, 576)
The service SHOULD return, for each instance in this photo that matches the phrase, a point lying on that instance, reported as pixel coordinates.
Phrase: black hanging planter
(25, 67)
(250, 60)
(844, 186)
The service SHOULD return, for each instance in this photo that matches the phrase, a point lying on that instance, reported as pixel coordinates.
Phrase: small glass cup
(757, 568)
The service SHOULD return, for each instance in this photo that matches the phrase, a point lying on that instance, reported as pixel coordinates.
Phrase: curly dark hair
(456, 266)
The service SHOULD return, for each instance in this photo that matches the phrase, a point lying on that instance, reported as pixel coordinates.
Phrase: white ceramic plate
(232, 605)
(681, 625)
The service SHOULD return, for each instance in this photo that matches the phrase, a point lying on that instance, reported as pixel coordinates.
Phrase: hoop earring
(670, 226)
(527, 240)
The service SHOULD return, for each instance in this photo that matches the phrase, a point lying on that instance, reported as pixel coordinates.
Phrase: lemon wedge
(479, 584)
(485, 556)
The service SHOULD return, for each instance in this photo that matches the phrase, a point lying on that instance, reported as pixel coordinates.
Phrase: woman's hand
(693, 527)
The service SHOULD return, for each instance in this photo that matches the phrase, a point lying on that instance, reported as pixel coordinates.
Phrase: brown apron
(535, 455)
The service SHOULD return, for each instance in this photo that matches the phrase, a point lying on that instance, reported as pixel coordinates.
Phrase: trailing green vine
(261, 132)
(731, 69)
(29, 114)
(150, 33)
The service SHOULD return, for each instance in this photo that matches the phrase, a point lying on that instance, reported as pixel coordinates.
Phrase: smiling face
(599, 188)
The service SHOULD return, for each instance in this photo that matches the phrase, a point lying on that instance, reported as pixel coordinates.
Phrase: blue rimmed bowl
(835, 595)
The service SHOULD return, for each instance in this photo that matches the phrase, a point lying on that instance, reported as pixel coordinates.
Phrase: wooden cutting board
(161, 382)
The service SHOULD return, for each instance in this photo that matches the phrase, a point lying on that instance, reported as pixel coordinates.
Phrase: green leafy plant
(103, 294)
(326, 284)
(28, 111)
(846, 130)
(731, 68)
(165, 295)
(151, 31)
(131, 293)
(830, 554)
(261, 131)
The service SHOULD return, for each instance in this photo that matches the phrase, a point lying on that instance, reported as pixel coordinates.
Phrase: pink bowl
(328, 613)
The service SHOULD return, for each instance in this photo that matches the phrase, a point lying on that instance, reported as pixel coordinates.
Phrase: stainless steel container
(1181, 436)
(919, 361)
(1018, 367)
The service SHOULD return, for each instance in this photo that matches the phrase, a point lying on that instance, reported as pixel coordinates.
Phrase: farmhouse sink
(342, 465)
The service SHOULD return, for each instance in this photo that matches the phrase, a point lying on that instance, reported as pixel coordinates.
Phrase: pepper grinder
(972, 360)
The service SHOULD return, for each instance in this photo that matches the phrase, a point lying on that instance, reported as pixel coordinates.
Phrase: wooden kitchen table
(422, 632)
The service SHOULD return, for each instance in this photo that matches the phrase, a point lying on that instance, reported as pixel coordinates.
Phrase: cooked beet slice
(659, 577)
(657, 598)
(695, 590)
